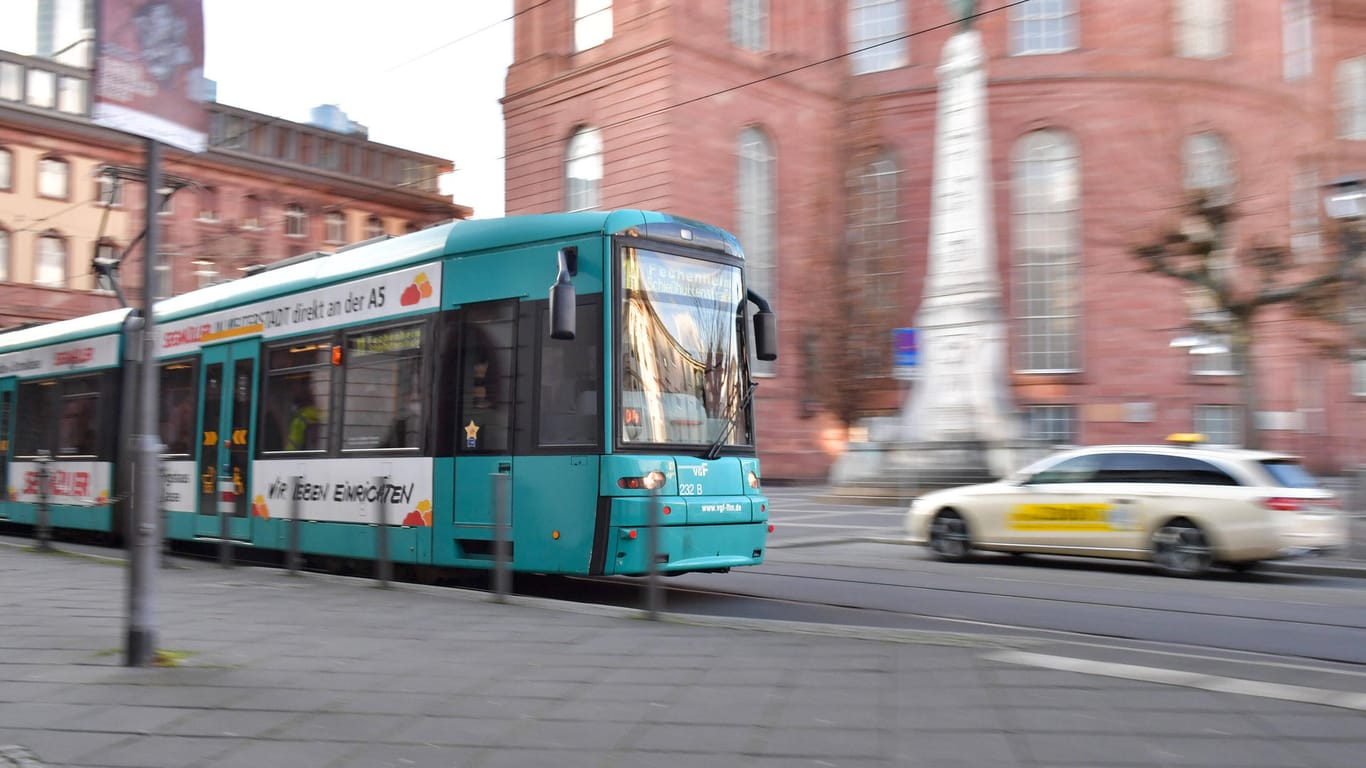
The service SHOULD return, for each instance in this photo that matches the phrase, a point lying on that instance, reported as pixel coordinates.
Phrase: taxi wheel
(949, 537)
(1181, 549)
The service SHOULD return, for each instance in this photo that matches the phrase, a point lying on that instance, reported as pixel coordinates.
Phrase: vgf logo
(698, 470)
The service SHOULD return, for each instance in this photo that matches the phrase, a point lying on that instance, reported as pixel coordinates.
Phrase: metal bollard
(44, 522)
(653, 595)
(227, 507)
(164, 545)
(383, 567)
(502, 573)
(293, 555)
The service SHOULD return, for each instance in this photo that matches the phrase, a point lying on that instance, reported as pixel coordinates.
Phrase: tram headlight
(753, 480)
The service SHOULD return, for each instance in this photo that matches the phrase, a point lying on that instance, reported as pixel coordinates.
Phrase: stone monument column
(956, 426)
(962, 395)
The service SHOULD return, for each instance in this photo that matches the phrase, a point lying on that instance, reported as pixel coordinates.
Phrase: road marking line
(1281, 691)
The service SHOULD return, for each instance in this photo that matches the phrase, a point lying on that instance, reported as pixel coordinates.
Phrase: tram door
(484, 417)
(227, 413)
(6, 422)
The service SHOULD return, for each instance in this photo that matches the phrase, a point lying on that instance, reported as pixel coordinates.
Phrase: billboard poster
(149, 71)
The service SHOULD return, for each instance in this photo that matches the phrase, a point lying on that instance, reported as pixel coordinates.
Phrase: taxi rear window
(1289, 474)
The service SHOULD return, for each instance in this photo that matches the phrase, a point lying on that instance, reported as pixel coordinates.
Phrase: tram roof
(83, 327)
(450, 239)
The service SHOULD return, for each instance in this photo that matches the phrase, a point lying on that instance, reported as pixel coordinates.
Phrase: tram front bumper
(686, 548)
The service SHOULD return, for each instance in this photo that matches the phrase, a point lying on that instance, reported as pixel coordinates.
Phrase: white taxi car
(1183, 506)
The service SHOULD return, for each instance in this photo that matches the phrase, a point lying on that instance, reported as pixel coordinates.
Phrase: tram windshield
(681, 347)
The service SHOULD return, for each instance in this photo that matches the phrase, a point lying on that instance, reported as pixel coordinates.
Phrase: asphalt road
(839, 562)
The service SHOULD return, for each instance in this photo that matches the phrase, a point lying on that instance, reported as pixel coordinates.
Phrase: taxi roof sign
(1185, 438)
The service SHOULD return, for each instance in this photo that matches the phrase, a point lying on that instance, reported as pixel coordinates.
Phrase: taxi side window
(1159, 468)
(1198, 472)
(1078, 469)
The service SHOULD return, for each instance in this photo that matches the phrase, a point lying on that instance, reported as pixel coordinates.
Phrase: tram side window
(177, 407)
(383, 406)
(489, 341)
(61, 417)
(36, 404)
(76, 432)
(298, 391)
(570, 382)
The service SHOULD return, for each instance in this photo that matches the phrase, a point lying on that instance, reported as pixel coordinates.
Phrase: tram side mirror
(765, 335)
(765, 328)
(563, 300)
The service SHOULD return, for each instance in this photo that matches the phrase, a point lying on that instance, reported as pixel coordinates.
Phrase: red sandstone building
(807, 127)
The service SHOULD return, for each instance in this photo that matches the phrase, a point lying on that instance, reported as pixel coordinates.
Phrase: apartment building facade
(266, 189)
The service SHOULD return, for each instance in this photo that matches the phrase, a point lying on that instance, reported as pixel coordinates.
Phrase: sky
(424, 75)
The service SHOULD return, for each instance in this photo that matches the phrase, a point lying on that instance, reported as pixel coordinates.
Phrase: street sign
(905, 354)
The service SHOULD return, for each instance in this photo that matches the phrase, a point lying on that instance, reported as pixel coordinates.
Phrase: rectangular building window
(1213, 357)
(749, 24)
(1351, 85)
(592, 23)
(1202, 29)
(756, 222)
(334, 227)
(1305, 202)
(1220, 424)
(1045, 223)
(42, 89)
(71, 95)
(205, 272)
(234, 130)
(11, 81)
(1298, 39)
(50, 267)
(1043, 26)
(877, 35)
(1052, 424)
(165, 268)
(54, 178)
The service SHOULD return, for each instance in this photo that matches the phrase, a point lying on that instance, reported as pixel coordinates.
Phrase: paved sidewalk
(328, 671)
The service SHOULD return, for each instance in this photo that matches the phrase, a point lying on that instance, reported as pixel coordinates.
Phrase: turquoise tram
(393, 382)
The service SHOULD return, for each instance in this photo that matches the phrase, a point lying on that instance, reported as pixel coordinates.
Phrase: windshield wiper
(734, 414)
